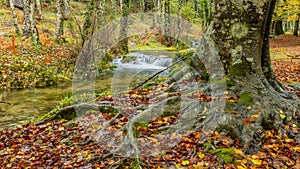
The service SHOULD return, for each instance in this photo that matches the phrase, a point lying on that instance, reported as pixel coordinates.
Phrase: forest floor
(54, 144)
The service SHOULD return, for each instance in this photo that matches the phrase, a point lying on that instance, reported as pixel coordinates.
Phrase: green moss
(225, 81)
(184, 53)
(239, 69)
(225, 155)
(239, 30)
(246, 98)
(127, 59)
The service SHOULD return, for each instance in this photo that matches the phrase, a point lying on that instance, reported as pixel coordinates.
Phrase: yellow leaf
(12, 159)
(253, 117)
(200, 155)
(256, 162)
(61, 128)
(241, 167)
(153, 139)
(178, 165)
(249, 107)
(297, 148)
(239, 152)
(185, 162)
(282, 116)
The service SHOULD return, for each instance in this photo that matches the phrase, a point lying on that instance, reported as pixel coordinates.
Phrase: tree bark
(34, 30)
(179, 23)
(90, 11)
(39, 9)
(6, 3)
(26, 24)
(167, 25)
(100, 13)
(59, 21)
(15, 17)
(123, 39)
(278, 28)
(62, 7)
(243, 48)
(296, 27)
(142, 4)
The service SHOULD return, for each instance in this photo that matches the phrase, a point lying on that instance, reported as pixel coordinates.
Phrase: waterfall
(143, 63)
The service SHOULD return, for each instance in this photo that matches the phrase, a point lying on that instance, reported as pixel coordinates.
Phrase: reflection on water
(17, 106)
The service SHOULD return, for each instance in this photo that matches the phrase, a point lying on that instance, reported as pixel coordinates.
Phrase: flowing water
(17, 106)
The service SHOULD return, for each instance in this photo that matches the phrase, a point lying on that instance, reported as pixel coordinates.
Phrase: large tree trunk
(243, 48)
(246, 97)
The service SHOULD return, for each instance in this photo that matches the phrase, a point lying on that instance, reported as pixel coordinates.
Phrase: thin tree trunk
(296, 27)
(159, 19)
(121, 5)
(59, 21)
(90, 11)
(100, 12)
(195, 8)
(66, 9)
(39, 9)
(114, 6)
(179, 23)
(6, 3)
(278, 28)
(15, 17)
(123, 39)
(26, 24)
(34, 31)
(154, 19)
(142, 4)
(167, 24)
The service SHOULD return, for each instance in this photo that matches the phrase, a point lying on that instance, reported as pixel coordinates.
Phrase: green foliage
(20, 72)
(127, 59)
(225, 155)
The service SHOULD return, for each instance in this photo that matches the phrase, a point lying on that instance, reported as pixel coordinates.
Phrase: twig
(181, 59)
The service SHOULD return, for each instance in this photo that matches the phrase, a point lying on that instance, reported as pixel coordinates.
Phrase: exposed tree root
(258, 108)
(69, 112)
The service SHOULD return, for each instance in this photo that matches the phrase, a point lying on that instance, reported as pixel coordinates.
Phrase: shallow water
(17, 106)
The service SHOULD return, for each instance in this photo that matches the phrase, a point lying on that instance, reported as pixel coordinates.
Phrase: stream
(17, 106)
